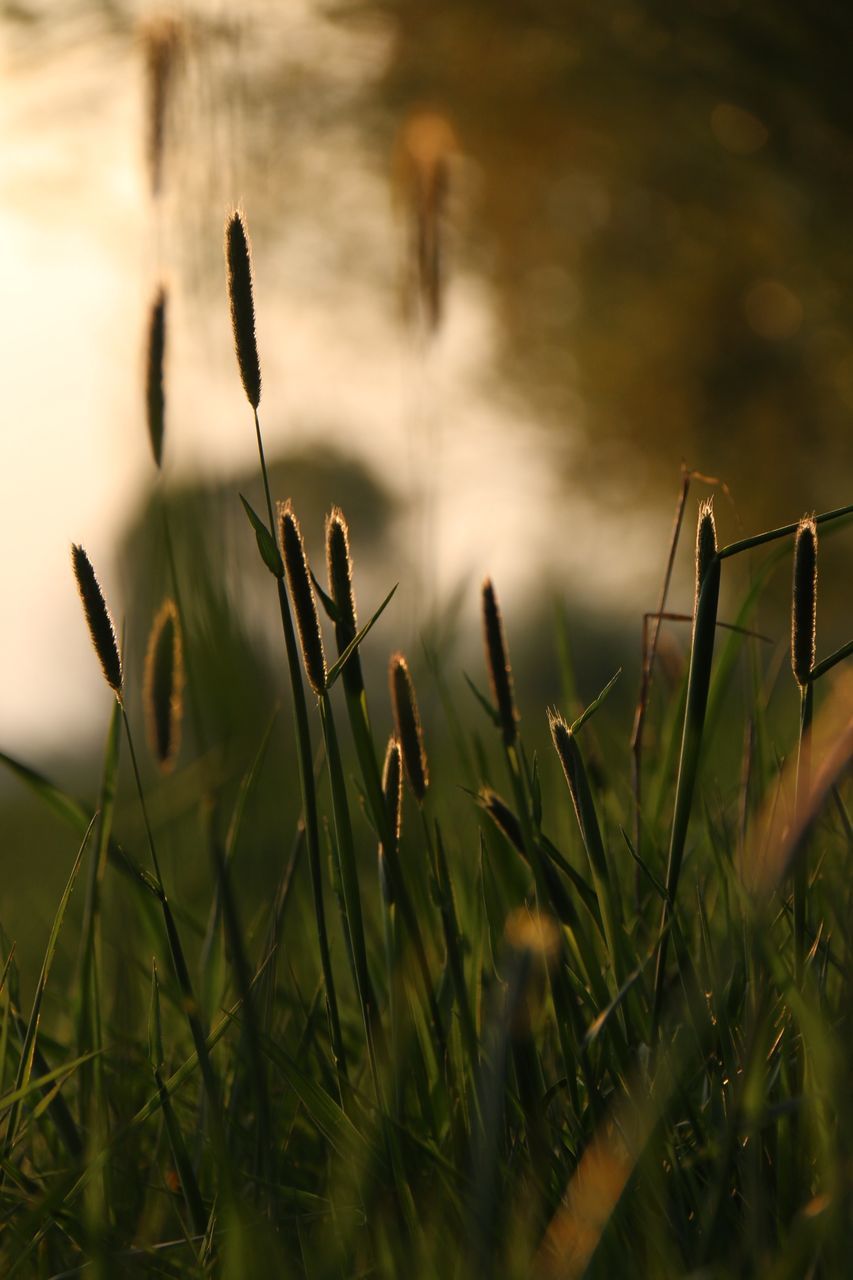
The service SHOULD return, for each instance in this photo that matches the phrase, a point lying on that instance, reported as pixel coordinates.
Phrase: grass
(597, 1025)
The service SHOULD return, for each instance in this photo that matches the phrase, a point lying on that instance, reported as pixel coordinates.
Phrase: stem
(802, 789)
(307, 793)
(179, 962)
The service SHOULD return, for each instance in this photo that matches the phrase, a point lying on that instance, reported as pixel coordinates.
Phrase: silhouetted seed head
(497, 660)
(392, 786)
(804, 610)
(339, 565)
(302, 595)
(161, 37)
(392, 793)
(163, 688)
(98, 618)
(408, 726)
(155, 398)
(706, 545)
(239, 259)
(503, 817)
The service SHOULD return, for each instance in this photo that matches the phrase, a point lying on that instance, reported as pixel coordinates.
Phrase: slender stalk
(179, 962)
(698, 682)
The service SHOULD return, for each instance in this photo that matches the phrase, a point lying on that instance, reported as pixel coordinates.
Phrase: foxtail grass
(707, 594)
(155, 395)
(497, 661)
(407, 723)
(163, 687)
(98, 619)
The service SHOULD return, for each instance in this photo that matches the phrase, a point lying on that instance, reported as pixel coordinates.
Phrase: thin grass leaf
(270, 553)
(337, 667)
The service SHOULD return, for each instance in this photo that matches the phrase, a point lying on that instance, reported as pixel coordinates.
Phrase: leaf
(66, 806)
(593, 706)
(266, 542)
(483, 701)
(327, 602)
(336, 670)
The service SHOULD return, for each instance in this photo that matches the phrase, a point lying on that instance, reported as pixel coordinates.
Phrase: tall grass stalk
(241, 300)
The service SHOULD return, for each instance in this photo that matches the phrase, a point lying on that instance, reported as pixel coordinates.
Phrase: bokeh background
(644, 217)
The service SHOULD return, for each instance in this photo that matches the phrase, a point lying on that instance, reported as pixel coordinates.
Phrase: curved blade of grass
(336, 669)
(266, 542)
(595, 704)
(39, 1082)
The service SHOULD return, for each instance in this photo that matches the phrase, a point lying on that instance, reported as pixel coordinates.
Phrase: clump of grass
(509, 1096)
(163, 688)
(407, 722)
(98, 618)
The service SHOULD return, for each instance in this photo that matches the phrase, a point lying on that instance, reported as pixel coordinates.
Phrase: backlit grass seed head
(155, 398)
(302, 595)
(567, 750)
(706, 544)
(163, 687)
(497, 661)
(241, 299)
(339, 566)
(98, 618)
(392, 787)
(804, 604)
(407, 722)
(392, 793)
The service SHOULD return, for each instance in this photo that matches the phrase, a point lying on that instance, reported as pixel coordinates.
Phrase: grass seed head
(162, 41)
(392, 787)
(302, 595)
(339, 566)
(240, 297)
(155, 398)
(566, 748)
(408, 726)
(98, 618)
(804, 604)
(706, 544)
(163, 687)
(497, 660)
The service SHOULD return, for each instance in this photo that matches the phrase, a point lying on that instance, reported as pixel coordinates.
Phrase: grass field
(600, 1024)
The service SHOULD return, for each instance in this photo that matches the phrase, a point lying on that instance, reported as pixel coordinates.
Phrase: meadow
(597, 1025)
